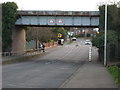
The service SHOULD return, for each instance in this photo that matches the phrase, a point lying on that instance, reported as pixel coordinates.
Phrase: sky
(64, 5)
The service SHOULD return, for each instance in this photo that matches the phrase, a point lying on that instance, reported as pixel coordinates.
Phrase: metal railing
(27, 52)
(18, 53)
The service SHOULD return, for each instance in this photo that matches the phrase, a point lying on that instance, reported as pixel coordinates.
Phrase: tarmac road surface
(49, 71)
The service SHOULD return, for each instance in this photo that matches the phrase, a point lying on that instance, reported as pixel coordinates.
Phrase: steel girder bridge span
(50, 19)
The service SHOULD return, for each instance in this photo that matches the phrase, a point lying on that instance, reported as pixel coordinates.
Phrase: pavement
(6, 58)
(27, 54)
(90, 75)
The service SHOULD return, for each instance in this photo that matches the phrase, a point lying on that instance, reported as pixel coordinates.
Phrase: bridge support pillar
(18, 40)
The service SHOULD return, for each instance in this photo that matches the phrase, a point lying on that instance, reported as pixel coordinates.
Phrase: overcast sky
(66, 5)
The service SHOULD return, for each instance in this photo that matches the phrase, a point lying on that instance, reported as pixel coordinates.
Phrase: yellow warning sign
(59, 35)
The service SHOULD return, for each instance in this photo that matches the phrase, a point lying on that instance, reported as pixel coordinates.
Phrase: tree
(9, 16)
(112, 34)
(98, 42)
(43, 34)
(39, 34)
(112, 16)
(60, 30)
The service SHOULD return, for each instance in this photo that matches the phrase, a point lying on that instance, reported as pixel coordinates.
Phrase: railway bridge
(50, 19)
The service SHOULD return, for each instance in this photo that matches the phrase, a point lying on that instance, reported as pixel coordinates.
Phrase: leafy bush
(9, 16)
(115, 72)
(98, 41)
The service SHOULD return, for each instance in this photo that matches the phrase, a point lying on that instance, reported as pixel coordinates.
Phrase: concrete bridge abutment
(18, 40)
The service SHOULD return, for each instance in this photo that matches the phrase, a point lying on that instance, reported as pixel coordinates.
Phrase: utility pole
(105, 37)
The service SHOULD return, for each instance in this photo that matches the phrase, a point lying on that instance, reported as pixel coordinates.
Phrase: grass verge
(70, 42)
(115, 72)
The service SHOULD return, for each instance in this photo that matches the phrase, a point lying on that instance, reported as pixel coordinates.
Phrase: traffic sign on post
(59, 35)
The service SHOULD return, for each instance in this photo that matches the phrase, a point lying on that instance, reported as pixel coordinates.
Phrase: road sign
(98, 32)
(60, 21)
(51, 21)
(59, 35)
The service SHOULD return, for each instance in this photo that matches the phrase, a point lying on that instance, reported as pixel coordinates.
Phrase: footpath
(91, 75)
(26, 56)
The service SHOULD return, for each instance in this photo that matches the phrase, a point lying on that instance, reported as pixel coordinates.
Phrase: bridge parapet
(59, 18)
(61, 13)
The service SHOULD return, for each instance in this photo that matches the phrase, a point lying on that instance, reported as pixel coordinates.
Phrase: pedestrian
(40, 46)
(43, 47)
(59, 41)
(62, 42)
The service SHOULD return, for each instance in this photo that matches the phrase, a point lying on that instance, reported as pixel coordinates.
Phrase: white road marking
(90, 53)
(11, 85)
(67, 53)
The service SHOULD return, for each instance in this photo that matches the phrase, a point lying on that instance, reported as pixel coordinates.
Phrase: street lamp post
(105, 37)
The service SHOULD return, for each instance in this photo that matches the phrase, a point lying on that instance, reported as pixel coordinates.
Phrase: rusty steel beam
(59, 13)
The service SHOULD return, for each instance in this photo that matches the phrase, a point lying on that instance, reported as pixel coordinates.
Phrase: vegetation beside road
(9, 16)
(113, 33)
(70, 42)
(113, 38)
(115, 72)
(45, 34)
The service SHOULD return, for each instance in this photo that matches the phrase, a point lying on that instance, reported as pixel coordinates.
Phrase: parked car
(73, 39)
(87, 42)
